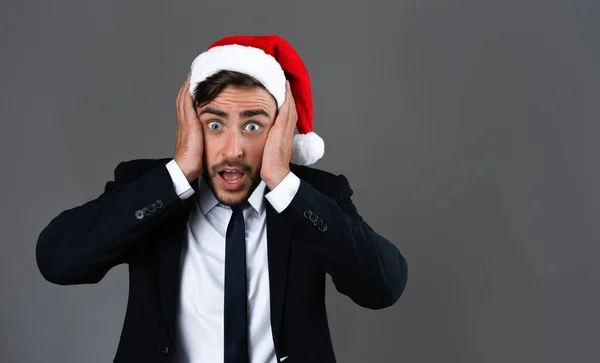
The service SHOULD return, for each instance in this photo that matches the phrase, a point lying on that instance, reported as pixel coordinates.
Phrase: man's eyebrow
(252, 113)
(213, 111)
(243, 114)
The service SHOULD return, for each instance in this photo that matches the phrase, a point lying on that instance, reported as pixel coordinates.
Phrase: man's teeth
(232, 176)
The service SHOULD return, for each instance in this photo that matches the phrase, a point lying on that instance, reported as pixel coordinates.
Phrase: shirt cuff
(281, 196)
(183, 189)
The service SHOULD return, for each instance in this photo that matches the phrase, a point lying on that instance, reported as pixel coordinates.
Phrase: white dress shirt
(201, 304)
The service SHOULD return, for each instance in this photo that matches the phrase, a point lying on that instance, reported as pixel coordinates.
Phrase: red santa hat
(270, 59)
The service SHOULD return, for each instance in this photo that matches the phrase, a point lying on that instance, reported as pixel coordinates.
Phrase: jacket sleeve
(362, 264)
(80, 245)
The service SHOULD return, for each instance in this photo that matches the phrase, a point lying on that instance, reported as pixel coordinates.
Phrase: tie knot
(238, 208)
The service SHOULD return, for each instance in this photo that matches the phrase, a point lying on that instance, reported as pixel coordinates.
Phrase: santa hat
(270, 59)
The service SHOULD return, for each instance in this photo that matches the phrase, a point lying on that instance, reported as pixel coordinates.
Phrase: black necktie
(235, 319)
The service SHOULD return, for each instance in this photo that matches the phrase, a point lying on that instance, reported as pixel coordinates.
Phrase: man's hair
(212, 86)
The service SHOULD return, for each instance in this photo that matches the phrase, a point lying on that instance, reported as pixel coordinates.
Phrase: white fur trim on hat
(249, 60)
(307, 148)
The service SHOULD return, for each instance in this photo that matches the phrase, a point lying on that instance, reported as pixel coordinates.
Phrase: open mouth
(231, 178)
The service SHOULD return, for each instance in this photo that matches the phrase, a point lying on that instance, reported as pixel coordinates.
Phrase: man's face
(235, 126)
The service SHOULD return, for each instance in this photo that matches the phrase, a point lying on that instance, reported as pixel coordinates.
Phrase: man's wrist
(273, 181)
(189, 175)
(181, 185)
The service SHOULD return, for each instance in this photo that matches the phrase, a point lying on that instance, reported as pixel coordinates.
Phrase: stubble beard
(236, 197)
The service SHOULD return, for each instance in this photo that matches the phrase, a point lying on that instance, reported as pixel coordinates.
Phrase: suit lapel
(278, 246)
(169, 251)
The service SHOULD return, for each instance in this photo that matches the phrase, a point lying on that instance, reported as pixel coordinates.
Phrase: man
(229, 241)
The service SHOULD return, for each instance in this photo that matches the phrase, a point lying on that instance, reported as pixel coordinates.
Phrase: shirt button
(164, 349)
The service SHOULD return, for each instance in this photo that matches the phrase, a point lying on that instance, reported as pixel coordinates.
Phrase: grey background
(465, 128)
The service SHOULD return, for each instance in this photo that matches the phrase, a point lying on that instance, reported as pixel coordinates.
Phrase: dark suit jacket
(139, 220)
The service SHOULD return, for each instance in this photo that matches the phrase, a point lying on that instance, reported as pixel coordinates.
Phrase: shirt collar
(207, 199)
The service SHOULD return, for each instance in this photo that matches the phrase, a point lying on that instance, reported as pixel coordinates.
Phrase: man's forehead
(244, 98)
(248, 105)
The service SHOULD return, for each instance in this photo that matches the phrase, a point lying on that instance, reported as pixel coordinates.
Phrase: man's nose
(233, 146)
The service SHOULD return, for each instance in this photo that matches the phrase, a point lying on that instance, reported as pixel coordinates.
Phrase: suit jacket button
(159, 204)
(139, 214)
(164, 349)
(323, 228)
(152, 208)
(314, 218)
(307, 213)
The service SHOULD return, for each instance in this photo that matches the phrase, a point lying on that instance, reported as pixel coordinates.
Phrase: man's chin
(229, 196)
(232, 197)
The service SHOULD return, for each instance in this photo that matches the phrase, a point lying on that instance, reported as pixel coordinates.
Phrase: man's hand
(278, 148)
(188, 141)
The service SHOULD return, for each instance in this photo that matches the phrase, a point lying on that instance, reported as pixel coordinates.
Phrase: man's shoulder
(313, 174)
(322, 180)
(128, 170)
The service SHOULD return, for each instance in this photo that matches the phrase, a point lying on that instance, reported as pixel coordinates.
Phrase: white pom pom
(307, 149)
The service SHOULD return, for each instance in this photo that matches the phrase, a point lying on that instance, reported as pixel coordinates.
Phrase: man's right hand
(189, 139)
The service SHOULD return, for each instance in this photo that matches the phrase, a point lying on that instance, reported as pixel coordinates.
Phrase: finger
(288, 93)
(178, 106)
(185, 84)
(283, 111)
(180, 91)
(188, 106)
(292, 104)
(181, 99)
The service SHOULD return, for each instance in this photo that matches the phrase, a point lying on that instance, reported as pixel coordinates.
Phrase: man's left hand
(278, 147)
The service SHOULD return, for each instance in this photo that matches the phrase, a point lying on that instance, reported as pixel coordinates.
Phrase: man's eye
(214, 125)
(252, 127)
